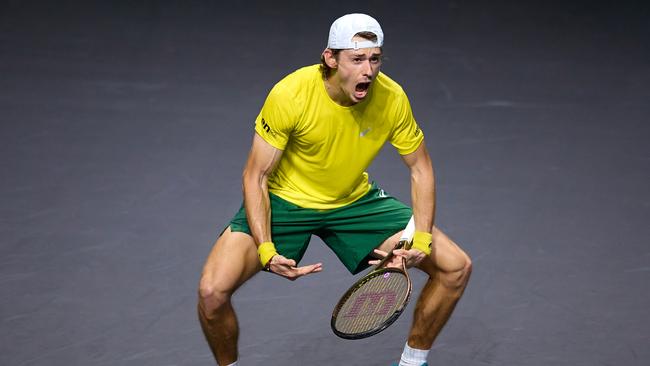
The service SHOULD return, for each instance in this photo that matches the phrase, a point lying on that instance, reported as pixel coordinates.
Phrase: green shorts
(352, 231)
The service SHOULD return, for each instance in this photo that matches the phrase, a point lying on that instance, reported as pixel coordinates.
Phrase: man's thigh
(232, 261)
(446, 255)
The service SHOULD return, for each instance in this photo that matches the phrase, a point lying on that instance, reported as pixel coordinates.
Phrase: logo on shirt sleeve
(266, 126)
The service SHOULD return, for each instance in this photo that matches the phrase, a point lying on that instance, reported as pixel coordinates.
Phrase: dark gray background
(125, 126)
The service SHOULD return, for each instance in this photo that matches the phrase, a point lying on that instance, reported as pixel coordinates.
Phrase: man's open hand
(286, 268)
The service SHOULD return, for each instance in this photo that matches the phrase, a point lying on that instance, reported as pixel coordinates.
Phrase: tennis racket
(376, 300)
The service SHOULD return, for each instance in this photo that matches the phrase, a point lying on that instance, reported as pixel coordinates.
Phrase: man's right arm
(262, 159)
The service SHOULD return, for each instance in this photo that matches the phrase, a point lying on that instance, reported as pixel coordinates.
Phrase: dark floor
(125, 127)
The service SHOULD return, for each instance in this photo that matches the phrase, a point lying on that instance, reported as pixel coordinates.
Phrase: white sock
(413, 357)
(233, 364)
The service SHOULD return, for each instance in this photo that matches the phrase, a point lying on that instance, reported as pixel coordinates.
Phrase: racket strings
(372, 303)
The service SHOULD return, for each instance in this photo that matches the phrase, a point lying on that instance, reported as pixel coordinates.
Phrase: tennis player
(318, 131)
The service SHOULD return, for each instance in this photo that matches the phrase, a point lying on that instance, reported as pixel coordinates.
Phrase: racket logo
(372, 303)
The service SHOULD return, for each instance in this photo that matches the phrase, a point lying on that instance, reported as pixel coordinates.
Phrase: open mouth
(361, 90)
(362, 87)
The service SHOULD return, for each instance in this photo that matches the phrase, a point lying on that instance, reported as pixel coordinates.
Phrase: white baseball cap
(344, 28)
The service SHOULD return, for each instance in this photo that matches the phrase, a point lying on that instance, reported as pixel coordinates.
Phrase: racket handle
(404, 242)
(409, 231)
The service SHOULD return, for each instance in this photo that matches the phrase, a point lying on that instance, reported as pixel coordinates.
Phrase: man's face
(356, 70)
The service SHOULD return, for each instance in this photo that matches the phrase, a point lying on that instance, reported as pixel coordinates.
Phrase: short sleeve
(406, 136)
(277, 118)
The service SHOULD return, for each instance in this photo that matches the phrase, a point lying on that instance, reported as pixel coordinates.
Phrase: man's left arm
(423, 200)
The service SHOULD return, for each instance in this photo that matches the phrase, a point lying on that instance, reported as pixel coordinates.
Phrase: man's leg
(449, 269)
(232, 261)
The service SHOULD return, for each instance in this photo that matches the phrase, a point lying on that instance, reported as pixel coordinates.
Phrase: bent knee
(211, 297)
(457, 279)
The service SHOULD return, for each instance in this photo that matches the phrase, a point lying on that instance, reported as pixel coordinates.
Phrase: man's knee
(457, 278)
(232, 261)
(211, 297)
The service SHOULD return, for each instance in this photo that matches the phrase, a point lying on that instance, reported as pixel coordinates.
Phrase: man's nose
(367, 68)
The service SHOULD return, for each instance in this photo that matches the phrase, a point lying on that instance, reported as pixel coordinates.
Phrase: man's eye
(356, 59)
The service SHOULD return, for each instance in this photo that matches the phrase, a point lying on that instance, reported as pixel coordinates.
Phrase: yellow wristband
(422, 242)
(266, 251)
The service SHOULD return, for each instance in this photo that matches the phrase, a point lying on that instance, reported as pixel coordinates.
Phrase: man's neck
(336, 93)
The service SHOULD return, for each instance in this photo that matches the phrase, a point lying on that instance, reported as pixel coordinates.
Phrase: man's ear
(329, 58)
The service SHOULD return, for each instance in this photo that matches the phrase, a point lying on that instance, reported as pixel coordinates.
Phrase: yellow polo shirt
(328, 147)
